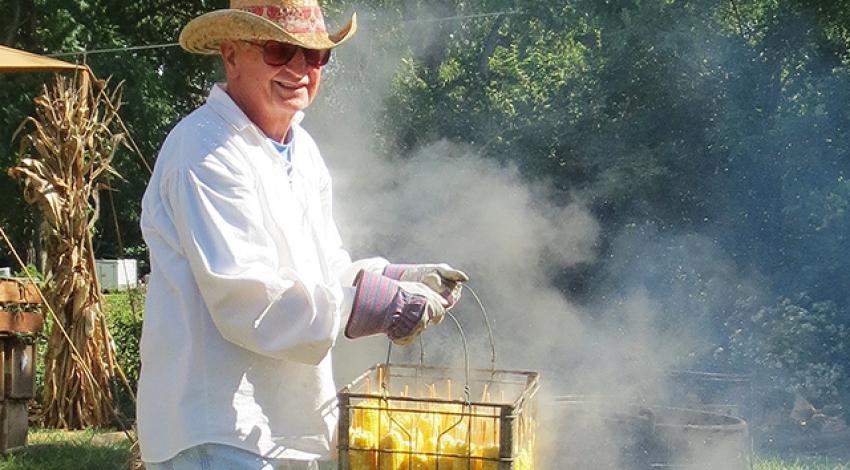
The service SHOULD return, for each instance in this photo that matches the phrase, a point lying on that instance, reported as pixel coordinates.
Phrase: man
(250, 284)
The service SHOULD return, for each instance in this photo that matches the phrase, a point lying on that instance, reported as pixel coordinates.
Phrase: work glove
(401, 310)
(441, 278)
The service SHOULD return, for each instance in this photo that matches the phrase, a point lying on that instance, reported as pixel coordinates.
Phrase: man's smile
(291, 85)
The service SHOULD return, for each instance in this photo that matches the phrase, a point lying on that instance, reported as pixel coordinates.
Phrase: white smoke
(443, 202)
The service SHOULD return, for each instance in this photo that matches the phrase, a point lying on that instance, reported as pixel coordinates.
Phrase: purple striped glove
(441, 278)
(401, 310)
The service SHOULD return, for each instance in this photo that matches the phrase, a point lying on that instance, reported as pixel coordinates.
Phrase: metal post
(343, 429)
(506, 438)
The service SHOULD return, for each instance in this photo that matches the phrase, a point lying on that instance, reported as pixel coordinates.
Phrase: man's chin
(292, 104)
(286, 110)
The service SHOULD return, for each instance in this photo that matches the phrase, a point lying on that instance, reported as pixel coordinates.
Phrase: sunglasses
(277, 54)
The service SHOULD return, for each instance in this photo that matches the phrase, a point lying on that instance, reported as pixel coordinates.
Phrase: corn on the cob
(448, 435)
(363, 439)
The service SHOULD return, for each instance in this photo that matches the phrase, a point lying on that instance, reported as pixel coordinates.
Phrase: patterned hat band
(298, 22)
(293, 20)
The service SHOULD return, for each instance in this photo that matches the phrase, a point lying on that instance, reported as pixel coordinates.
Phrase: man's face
(269, 95)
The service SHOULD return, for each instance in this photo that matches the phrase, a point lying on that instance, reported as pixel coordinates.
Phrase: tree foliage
(163, 85)
(725, 118)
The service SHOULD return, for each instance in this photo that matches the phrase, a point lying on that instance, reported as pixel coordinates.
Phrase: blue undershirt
(285, 150)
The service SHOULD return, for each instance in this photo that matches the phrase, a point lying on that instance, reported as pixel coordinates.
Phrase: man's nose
(299, 64)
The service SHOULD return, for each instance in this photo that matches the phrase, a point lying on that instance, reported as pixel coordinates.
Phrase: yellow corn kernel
(362, 459)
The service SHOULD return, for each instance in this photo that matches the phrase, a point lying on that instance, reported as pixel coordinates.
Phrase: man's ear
(227, 49)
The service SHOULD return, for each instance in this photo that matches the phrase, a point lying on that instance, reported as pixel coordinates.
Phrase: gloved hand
(441, 278)
(401, 310)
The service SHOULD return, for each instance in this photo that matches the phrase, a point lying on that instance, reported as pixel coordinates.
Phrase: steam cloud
(445, 203)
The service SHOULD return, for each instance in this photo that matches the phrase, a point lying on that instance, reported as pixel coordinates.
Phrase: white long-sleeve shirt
(245, 294)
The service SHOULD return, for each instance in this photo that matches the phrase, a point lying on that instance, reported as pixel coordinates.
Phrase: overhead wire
(463, 17)
(113, 50)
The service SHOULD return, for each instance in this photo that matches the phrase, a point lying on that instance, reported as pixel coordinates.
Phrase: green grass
(102, 450)
(802, 463)
(62, 450)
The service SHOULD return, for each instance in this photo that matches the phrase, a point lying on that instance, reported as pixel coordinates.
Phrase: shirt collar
(225, 107)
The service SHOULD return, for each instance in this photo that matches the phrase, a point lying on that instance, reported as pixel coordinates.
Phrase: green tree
(162, 85)
(727, 118)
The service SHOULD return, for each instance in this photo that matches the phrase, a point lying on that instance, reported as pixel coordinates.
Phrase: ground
(107, 450)
(64, 450)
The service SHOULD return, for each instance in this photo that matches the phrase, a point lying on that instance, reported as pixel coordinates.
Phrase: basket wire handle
(466, 393)
(465, 356)
(466, 388)
(491, 338)
(486, 323)
(385, 385)
(421, 351)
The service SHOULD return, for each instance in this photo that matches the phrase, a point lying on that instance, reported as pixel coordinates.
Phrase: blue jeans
(223, 457)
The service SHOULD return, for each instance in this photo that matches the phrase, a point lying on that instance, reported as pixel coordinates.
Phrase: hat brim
(204, 34)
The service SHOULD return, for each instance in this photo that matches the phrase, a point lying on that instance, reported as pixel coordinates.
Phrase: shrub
(123, 312)
(124, 316)
(798, 344)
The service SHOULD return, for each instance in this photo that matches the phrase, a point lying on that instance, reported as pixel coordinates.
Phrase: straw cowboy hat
(298, 22)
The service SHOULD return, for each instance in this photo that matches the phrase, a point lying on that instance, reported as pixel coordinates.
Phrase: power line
(174, 44)
(115, 49)
(463, 17)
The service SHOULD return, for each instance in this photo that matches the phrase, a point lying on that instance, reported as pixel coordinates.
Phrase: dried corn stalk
(65, 160)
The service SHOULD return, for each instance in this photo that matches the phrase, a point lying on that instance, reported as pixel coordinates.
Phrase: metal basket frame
(509, 414)
(514, 416)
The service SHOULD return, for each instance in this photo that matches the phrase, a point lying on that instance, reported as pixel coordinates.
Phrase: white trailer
(117, 274)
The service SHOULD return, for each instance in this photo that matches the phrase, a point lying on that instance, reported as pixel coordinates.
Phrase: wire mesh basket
(421, 417)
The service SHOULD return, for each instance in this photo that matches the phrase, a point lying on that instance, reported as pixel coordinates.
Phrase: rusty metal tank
(583, 433)
(724, 393)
